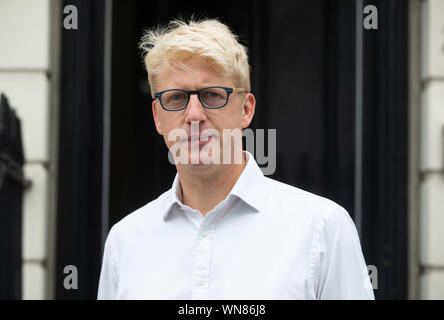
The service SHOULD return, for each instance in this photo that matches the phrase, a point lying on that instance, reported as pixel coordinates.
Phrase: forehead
(191, 74)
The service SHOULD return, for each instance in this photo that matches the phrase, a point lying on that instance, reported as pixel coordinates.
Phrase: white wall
(432, 151)
(25, 77)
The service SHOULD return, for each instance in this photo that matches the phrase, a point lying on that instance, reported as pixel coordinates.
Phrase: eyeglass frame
(158, 95)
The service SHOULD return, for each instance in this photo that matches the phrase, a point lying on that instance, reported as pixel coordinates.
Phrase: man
(224, 230)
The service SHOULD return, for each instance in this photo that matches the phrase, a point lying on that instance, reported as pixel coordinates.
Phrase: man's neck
(203, 188)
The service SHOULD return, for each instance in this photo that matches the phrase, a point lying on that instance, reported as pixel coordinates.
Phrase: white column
(432, 151)
(25, 77)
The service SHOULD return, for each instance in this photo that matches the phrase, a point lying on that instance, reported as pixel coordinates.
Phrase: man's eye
(211, 95)
(177, 97)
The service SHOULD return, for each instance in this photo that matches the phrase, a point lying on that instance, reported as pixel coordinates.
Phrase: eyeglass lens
(211, 97)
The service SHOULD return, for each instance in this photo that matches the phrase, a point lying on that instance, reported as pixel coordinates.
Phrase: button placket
(202, 260)
(204, 233)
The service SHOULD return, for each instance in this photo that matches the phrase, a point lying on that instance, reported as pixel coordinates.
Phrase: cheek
(168, 143)
(231, 119)
(168, 122)
(168, 132)
(173, 132)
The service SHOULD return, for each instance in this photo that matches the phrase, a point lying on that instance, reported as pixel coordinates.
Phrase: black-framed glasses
(211, 98)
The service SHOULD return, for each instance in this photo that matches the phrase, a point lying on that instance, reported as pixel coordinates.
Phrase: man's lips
(201, 140)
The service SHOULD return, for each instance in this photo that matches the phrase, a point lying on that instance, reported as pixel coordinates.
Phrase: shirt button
(204, 233)
(200, 282)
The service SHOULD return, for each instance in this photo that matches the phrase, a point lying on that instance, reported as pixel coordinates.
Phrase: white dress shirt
(266, 240)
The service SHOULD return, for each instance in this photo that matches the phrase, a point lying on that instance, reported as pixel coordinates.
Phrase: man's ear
(156, 118)
(248, 110)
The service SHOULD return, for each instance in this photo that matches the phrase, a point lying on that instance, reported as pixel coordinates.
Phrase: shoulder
(326, 218)
(297, 200)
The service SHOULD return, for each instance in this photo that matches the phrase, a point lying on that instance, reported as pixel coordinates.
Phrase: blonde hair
(208, 38)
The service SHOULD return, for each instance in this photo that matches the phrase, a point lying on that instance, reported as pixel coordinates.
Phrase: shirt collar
(248, 187)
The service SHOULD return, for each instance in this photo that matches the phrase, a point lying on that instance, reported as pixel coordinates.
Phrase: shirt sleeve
(108, 275)
(341, 272)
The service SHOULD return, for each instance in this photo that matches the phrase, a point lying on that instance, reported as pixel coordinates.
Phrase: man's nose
(195, 111)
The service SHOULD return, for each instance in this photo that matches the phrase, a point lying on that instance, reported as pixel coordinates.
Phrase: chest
(214, 264)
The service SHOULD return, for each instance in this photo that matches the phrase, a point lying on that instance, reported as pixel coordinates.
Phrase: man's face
(195, 121)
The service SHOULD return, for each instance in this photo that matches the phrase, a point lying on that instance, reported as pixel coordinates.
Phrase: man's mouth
(201, 140)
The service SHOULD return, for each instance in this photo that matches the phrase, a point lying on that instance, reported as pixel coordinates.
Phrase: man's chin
(197, 160)
(201, 161)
